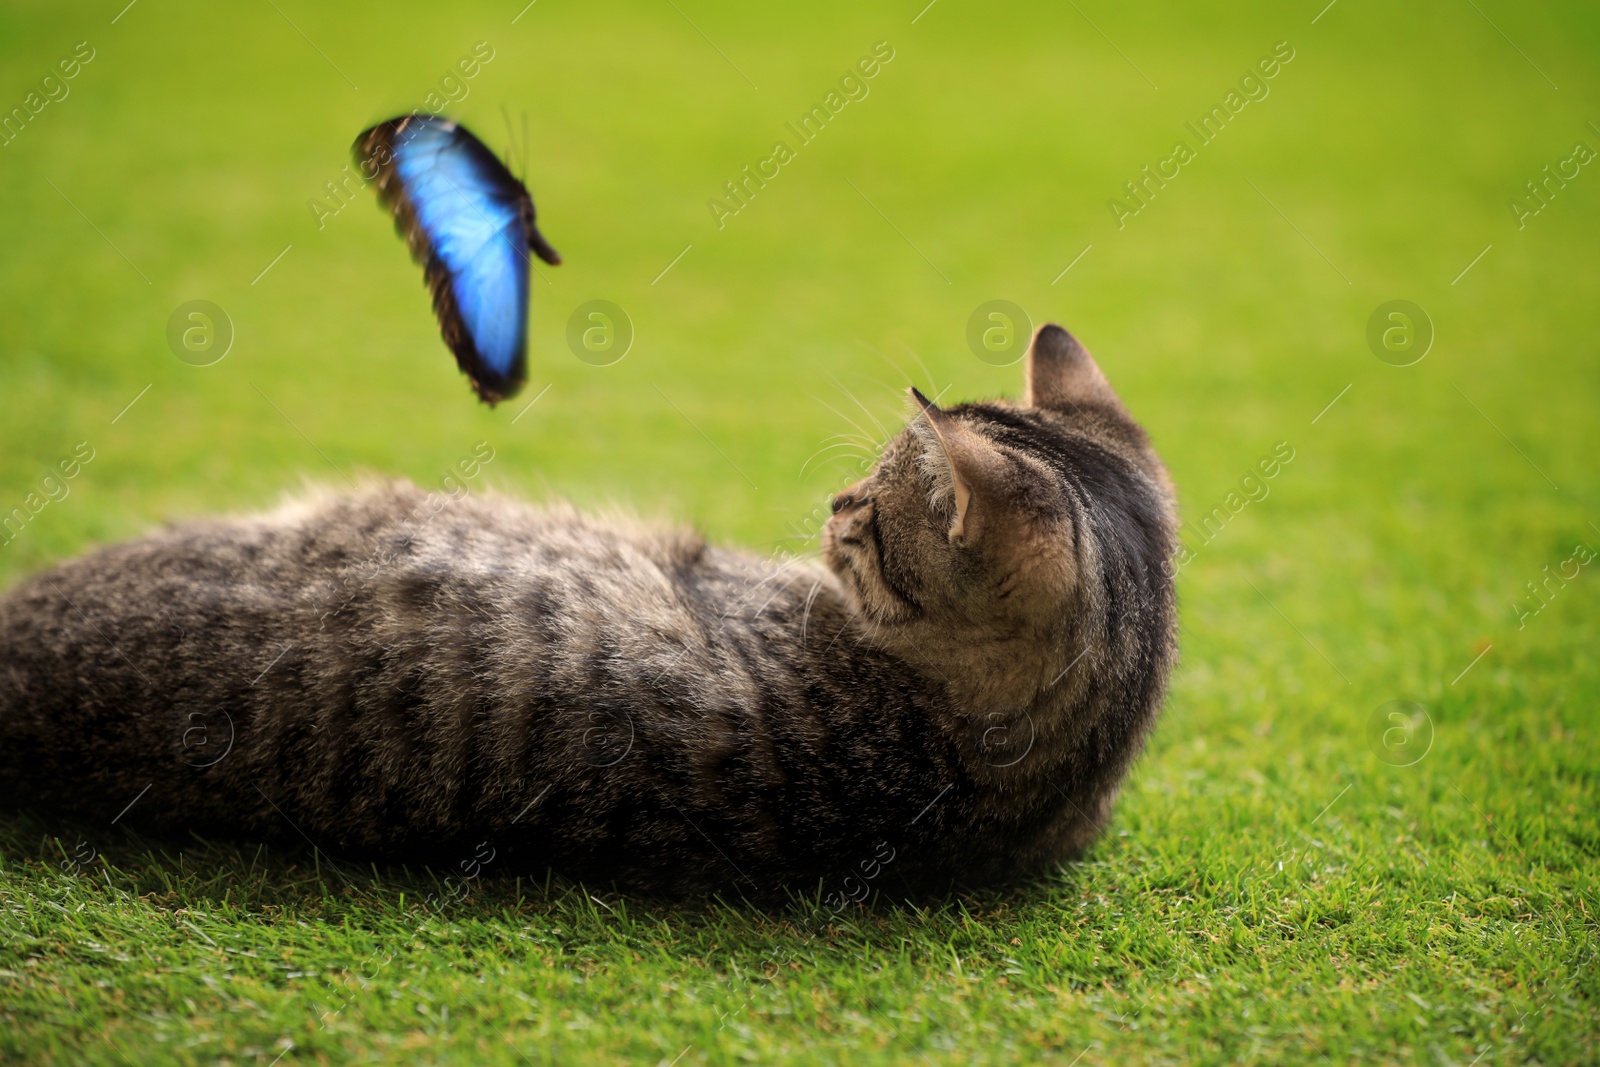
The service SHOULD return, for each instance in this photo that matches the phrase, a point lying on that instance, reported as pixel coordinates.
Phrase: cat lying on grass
(951, 700)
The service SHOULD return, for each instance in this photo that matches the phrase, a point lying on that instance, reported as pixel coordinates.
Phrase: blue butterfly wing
(477, 236)
(469, 222)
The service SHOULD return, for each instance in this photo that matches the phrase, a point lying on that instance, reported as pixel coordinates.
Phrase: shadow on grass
(278, 882)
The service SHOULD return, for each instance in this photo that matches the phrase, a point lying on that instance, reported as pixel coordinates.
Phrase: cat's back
(387, 612)
(327, 551)
(337, 573)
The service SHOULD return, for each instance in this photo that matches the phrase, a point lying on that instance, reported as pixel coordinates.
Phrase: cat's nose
(842, 501)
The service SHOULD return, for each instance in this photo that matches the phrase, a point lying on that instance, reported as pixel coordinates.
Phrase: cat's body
(952, 700)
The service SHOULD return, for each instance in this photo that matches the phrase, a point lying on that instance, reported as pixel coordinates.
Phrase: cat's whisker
(843, 416)
(815, 555)
(889, 387)
(843, 626)
(870, 446)
(865, 410)
(866, 442)
(854, 449)
(775, 594)
(805, 619)
(927, 375)
(881, 355)
(753, 589)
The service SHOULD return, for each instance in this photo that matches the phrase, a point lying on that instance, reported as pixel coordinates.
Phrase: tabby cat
(952, 700)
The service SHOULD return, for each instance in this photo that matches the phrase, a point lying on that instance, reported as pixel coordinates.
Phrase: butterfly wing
(469, 222)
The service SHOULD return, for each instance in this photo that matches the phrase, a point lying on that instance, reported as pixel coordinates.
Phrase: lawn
(1366, 828)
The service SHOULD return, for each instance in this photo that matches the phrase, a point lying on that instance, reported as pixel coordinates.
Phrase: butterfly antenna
(511, 139)
(527, 143)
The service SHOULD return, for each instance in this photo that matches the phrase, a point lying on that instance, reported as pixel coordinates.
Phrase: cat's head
(995, 524)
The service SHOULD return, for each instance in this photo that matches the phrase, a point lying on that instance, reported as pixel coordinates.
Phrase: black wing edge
(374, 152)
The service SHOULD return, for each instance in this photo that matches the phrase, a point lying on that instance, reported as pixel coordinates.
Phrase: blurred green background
(1275, 886)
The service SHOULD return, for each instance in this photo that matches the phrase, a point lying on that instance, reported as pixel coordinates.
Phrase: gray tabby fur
(950, 698)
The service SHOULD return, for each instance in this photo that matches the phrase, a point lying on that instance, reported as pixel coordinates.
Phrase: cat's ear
(1061, 372)
(966, 470)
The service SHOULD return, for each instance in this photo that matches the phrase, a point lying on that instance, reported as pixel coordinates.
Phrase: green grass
(1271, 889)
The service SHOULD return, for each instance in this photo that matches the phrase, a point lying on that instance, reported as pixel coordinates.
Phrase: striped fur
(960, 684)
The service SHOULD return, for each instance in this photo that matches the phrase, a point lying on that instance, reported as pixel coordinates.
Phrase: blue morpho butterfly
(469, 222)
